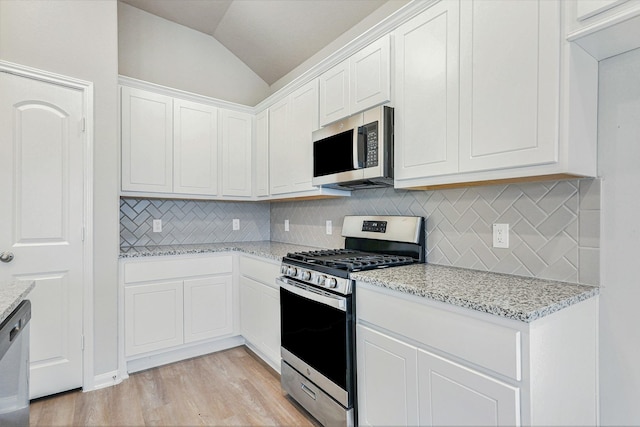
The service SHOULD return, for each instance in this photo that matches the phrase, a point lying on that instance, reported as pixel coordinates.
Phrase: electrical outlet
(286, 225)
(157, 226)
(236, 224)
(329, 227)
(500, 235)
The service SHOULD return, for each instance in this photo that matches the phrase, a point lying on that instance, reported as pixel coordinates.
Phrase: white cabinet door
(509, 91)
(260, 317)
(454, 395)
(147, 141)
(195, 148)
(387, 380)
(207, 308)
(280, 155)
(370, 76)
(334, 94)
(261, 163)
(426, 93)
(236, 153)
(303, 120)
(153, 317)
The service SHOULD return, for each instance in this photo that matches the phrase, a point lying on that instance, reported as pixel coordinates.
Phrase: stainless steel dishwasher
(14, 367)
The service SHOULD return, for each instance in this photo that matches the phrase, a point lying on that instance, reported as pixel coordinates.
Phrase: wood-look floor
(229, 388)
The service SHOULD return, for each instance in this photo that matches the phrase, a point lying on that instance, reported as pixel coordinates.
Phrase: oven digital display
(374, 226)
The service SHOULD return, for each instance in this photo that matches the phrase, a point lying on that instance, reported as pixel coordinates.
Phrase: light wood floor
(228, 388)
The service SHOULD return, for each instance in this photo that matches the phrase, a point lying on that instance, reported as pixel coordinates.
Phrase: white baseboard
(274, 364)
(107, 379)
(151, 361)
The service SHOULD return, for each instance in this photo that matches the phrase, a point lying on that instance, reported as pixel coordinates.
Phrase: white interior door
(41, 206)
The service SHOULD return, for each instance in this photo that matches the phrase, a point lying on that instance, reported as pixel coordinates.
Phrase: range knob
(305, 275)
(332, 282)
(283, 269)
(322, 280)
(292, 271)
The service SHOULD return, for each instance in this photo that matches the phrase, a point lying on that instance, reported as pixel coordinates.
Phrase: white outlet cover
(157, 226)
(329, 227)
(236, 224)
(286, 225)
(500, 235)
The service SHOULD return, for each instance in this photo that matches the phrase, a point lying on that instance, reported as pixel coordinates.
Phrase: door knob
(6, 257)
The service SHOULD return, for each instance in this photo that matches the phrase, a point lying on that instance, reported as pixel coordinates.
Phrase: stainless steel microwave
(356, 152)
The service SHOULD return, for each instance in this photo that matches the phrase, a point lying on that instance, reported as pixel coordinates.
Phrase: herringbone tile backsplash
(554, 226)
(191, 222)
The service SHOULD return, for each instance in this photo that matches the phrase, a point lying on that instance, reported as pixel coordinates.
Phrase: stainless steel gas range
(317, 308)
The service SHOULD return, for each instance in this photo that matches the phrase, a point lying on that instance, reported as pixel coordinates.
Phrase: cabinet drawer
(262, 271)
(492, 346)
(163, 269)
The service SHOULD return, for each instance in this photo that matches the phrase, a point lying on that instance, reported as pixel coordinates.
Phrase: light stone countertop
(12, 294)
(266, 249)
(515, 297)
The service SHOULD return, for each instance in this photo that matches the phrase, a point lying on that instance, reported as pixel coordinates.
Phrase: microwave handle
(360, 148)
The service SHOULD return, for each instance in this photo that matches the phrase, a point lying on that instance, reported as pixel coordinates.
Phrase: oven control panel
(316, 278)
(374, 226)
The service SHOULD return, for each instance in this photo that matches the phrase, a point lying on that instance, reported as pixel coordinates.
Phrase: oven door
(317, 337)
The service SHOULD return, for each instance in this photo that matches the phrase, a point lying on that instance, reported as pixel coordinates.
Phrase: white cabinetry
(260, 308)
(236, 153)
(291, 122)
(527, 99)
(604, 28)
(509, 70)
(261, 163)
(426, 93)
(426, 363)
(358, 83)
(195, 148)
(147, 141)
(170, 302)
(175, 147)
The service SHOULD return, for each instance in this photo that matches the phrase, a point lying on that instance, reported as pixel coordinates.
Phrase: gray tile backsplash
(191, 222)
(554, 226)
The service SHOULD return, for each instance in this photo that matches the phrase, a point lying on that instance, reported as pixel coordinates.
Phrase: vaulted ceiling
(271, 36)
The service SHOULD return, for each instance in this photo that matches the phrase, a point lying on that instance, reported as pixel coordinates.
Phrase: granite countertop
(515, 297)
(266, 249)
(12, 294)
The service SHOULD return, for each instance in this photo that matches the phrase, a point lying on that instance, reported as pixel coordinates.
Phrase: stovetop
(349, 259)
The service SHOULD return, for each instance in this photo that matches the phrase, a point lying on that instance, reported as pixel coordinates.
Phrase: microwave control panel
(371, 134)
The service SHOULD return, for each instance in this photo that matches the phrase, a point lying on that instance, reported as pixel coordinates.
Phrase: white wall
(79, 39)
(619, 164)
(159, 51)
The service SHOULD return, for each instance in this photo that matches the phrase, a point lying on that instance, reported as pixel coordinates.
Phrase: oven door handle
(308, 292)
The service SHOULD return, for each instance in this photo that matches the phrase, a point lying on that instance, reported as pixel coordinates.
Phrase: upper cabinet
(147, 141)
(236, 153)
(509, 70)
(261, 183)
(604, 28)
(195, 148)
(358, 83)
(426, 93)
(527, 99)
(173, 147)
(291, 122)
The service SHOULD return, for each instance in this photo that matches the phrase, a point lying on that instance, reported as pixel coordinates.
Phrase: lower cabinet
(422, 362)
(260, 308)
(173, 301)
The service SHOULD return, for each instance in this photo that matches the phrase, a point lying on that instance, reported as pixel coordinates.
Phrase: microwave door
(359, 148)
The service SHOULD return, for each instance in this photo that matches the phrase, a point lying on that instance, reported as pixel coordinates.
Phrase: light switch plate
(236, 224)
(286, 225)
(329, 227)
(157, 226)
(500, 235)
